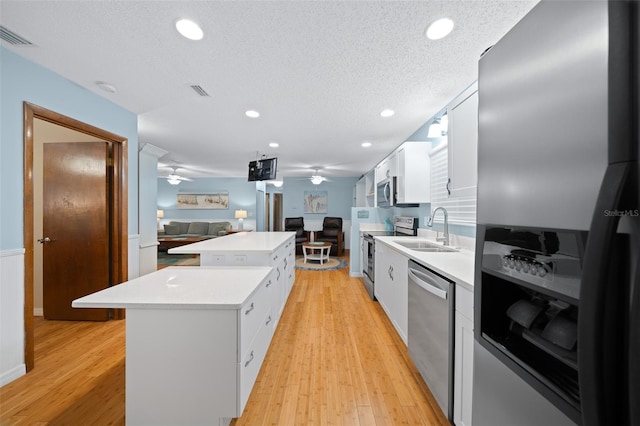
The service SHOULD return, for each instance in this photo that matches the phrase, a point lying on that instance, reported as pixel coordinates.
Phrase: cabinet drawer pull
(250, 309)
(249, 360)
(269, 283)
(268, 320)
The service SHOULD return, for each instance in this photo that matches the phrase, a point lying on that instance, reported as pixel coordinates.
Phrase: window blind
(461, 209)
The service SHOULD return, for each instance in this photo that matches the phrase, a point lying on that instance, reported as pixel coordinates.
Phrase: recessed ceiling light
(274, 145)
(366, 144)
(189, 29)
(253, 114)
(439, 28)
(106, 86)
(387, 113)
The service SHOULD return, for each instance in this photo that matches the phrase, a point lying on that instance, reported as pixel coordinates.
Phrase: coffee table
(316, 250)
(166, 243)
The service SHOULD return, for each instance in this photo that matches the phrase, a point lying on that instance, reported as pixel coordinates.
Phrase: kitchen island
(240, 248)
(274, 249)
(195, 340)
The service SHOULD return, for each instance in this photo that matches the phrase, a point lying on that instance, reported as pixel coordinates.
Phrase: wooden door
(277, 212)
(76, 217)
(267, 212)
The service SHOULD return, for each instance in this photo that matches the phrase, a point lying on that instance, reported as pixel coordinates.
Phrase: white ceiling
(319, 72)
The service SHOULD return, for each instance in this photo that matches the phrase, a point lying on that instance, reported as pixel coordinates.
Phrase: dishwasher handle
(425, 282)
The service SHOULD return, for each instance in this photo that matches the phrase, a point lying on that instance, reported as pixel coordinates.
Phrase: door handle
(44, 240)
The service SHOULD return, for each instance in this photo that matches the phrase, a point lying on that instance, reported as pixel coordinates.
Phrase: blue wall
(339, 191)
(22, 80)
(242, 195)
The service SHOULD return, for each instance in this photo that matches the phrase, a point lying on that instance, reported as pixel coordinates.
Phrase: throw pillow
(171, 229)
(198, 228)
(215, 228)
(184, 226)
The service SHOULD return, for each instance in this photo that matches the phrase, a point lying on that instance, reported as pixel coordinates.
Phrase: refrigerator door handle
(597, 391)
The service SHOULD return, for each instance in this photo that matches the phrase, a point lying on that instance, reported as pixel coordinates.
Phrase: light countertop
(185, 287)
(457, 266)
(239, 242)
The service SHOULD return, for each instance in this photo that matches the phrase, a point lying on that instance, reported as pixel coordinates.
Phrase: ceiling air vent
(13, 38)
(199, 90)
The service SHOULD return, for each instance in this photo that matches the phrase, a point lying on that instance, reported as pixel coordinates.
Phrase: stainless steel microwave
(386, 192)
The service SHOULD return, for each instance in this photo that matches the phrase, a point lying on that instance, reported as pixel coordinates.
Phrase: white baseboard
(10, 375)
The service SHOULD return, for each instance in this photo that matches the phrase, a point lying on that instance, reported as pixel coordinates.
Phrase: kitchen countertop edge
(457, 266)
(157, 291)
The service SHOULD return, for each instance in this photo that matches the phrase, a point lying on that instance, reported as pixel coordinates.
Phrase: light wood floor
(335, 359)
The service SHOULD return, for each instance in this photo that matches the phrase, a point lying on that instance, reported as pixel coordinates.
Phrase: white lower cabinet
(391, 287)
(195, 366)
(249, 365)
(289, 266)
(463, 362)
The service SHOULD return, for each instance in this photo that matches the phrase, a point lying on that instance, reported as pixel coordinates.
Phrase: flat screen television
(264, 169)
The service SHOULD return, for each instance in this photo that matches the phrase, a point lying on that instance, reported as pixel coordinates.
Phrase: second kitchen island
(274, 249)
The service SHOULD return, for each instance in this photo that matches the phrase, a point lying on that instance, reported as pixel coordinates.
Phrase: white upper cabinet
(463, 143)
(365, 191)
(387, 168)
(414, 173)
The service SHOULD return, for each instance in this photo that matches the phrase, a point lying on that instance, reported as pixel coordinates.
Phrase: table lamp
(241, 215)
(159, 215)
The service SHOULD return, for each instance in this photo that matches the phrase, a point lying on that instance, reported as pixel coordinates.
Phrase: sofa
(176, 229)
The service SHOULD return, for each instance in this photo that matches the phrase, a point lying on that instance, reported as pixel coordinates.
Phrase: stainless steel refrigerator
(557, 281)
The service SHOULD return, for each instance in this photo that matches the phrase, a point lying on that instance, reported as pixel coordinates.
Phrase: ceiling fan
(174, 178)
(317, 179)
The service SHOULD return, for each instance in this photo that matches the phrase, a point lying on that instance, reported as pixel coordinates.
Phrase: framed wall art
(315, 202)
(213, 200)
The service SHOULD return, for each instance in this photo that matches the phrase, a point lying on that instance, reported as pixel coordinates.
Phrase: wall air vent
(199, 90)
(13, 38)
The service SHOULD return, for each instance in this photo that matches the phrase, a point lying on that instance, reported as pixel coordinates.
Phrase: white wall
(11, 315)
(148, 200)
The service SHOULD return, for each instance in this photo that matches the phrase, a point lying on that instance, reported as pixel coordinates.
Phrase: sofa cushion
(198, 228)
(184, 226)
(171, 229)
(215, 228)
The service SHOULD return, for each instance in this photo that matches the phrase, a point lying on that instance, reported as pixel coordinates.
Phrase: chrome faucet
(445, 236)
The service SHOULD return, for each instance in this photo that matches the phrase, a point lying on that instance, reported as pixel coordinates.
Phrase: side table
(316, 250)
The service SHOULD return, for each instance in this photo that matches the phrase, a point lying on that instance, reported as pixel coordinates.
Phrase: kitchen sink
(425, 246)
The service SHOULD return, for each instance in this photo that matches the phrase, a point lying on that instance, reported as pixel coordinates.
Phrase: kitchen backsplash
(455, 240)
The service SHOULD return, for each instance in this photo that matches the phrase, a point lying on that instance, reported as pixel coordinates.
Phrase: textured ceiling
(319, 72)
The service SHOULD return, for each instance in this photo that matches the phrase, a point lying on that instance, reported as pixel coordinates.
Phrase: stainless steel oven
(402, 225)
(368, 265)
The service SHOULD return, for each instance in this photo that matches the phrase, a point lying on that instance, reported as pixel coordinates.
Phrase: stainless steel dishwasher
(430, 332)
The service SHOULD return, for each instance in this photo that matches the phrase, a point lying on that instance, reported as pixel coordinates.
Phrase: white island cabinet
(195, 341)
(274, 249)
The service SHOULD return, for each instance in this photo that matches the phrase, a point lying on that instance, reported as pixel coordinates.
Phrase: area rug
(313, 265)
(165, 259)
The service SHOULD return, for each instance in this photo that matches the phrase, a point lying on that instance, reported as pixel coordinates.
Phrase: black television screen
(264, 169)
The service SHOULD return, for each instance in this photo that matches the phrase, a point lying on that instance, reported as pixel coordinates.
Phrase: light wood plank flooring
(335, 359)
